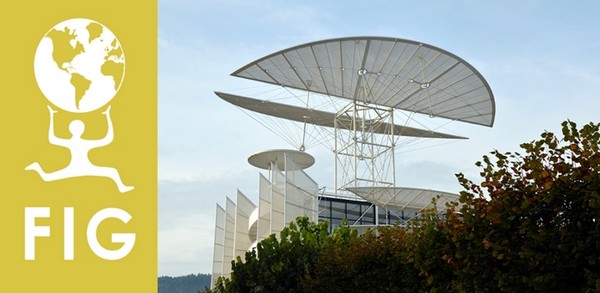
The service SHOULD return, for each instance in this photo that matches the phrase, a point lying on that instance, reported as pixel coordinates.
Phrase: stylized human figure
(79, 147)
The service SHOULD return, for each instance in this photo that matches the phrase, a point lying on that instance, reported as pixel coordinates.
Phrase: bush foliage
(531, 225)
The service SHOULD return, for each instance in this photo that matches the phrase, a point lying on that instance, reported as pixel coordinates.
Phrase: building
(360, 94)
(287, 193)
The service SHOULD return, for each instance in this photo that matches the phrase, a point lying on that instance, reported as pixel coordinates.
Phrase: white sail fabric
(243, 241)
(229, 237)
(300, 193)
(391, 72)
(219, 242)
(290, 193)
(278, 221)
(264, 208)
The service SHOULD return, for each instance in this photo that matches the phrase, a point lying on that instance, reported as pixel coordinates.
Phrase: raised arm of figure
(110, 133)
(52, 138)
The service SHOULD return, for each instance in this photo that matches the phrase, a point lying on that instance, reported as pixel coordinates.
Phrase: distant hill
(183, 284)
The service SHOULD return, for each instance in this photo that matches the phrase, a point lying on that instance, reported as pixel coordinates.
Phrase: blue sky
(541, 59)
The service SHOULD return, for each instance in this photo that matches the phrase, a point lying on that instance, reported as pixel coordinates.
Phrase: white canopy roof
(403, 198)
(327, 119)
(396, 73)
(264, 159)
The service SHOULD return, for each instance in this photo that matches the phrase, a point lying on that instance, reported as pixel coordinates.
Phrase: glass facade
(358, 213)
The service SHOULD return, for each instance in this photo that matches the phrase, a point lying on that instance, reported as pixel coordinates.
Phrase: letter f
(32, 231)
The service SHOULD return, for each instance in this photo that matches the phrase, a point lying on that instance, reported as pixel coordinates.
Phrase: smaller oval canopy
(264, 159)
(403, 198)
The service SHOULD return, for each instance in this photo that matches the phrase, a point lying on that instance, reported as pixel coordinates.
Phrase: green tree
(181, 284)
(533, 224)
(377, 261)
(278, 264)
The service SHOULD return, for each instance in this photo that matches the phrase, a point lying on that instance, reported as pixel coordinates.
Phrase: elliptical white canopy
(327, 119)
(403, 198)
(264, 159)
(391, 72)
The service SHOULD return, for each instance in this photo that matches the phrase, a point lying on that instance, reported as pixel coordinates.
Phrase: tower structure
(371, 79)
(360, 84)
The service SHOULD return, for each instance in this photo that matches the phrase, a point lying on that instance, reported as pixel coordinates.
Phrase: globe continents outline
(79, 65)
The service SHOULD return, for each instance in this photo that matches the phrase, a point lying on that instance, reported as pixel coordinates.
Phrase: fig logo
(79, 66)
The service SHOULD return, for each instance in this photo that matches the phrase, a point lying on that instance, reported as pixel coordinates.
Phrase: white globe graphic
(79, 65)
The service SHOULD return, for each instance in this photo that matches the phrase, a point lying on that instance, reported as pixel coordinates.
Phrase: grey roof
(391, 72)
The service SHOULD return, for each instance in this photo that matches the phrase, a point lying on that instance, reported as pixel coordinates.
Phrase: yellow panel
(79, 146)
